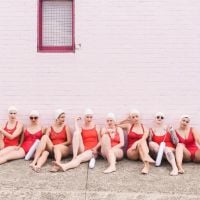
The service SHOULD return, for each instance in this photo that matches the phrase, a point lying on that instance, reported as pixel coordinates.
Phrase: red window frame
(42, 48)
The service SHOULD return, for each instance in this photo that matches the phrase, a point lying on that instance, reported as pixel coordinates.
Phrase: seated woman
(10, 135)
(85, 142)
(187, 149)
(137, 140)
(33, 132)
(56, 141)
(112, 143)
(159, 133)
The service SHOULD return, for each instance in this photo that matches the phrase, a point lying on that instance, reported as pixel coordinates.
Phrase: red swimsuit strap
(12, 128)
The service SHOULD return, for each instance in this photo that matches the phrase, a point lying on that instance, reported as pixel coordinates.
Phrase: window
(56, 26)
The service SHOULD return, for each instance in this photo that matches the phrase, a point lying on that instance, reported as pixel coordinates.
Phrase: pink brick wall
(142, 54)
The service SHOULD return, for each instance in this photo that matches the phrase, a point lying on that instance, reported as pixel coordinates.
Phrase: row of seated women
(89, 141)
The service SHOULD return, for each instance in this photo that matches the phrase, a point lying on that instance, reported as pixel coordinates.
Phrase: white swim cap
(12, 109)
(58, 112)
(34, 113)
(134, 112)
(185, 116)
(111, 116)
(88, 111)
(160, 114)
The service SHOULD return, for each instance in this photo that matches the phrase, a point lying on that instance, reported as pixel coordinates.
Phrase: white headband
(12, 109)
(34, 113)
(111, 116)
(57, 113)
(88, 111)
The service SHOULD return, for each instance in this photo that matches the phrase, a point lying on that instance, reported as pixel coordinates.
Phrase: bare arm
(196, 136)
(124, 124)
(69, 136)
(99, 140)
(77, 128)
(16, 133)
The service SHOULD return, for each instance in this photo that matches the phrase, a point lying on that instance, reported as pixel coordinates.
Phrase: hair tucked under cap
(111, 116)
(34, 113)
(58, 112)
(88, 111)
(12, 109)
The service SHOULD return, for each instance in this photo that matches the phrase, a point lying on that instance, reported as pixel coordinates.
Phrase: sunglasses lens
(33, 118)
(160, 117)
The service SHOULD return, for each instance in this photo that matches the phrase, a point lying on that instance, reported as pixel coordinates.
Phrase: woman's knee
(44, 138)
(45, 153)
(179, 146)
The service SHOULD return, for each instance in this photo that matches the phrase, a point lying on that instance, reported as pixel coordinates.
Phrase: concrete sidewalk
(18, 181)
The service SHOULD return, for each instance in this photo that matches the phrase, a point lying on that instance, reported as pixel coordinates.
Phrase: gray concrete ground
(18, 181)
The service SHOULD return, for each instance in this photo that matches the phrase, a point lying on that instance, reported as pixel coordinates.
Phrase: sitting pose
(112, 142)
(56, 141)
(10, 135)
(31, 133)
(187, 149)
(158, 134)
(85, 142)
(137, 140)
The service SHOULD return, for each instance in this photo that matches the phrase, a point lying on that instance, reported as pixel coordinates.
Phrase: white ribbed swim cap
(111, 116)
(34, 113)
(185, 116)
(12, 109)
(57, 113)
(134, 112)
(159, 114)
(88, 111)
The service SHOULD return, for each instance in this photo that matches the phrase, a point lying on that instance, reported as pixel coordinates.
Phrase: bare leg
(171, 159)
(40, 162)
(77, 144)
(181, 152)
(145, 157)
(7, 149)
(197, 156)
(45, 143)
(154, 147)
(12, 155)
(109, 153)
(59, 152)
(83, 157)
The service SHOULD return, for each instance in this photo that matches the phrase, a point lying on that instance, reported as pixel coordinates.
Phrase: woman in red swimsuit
(159, 133)
(11, 133)
(137, 140)
(56, 141)
(112, 143)
(187, 149)
(31, 133)
(85, 142)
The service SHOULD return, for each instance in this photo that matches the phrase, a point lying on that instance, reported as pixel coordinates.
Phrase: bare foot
(60, 166)
(174, 172)
(32, 165)
(36, 168)
(145, 170)
(181, 171)
(54, 168)
(110, 169)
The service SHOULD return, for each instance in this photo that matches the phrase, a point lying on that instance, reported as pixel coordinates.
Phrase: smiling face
(12, 115)
(184, 123)
(88, 118)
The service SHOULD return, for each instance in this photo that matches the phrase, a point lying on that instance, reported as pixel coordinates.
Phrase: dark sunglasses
(159, 117)
(33, 118)
(109, 120)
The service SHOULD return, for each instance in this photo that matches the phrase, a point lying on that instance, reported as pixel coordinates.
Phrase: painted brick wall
(142, 54)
